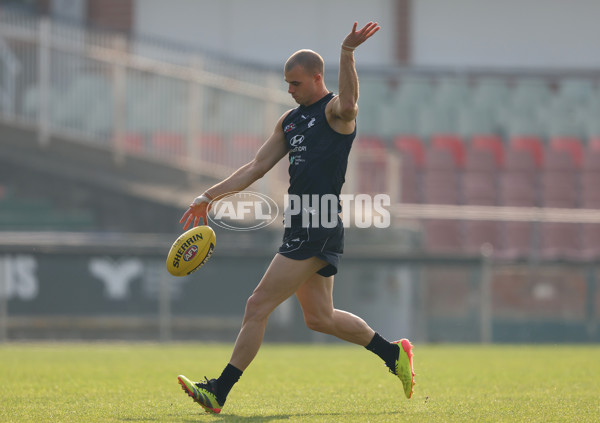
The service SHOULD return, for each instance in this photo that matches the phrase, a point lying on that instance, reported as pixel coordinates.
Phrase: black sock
(384, 349)
(225, 382)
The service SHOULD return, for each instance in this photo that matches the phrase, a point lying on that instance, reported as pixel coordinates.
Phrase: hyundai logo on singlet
(296, 139)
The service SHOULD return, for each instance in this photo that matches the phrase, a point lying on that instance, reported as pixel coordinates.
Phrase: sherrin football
(191, 250)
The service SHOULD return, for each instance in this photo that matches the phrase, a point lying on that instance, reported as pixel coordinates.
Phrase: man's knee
(318, 323)
(257, 307)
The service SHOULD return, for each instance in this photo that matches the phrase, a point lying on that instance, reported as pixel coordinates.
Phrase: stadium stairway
(87, 175)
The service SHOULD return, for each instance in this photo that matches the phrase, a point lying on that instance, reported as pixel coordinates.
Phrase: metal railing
(120, 94)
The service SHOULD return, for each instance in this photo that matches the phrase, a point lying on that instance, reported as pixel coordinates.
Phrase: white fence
(135, 97)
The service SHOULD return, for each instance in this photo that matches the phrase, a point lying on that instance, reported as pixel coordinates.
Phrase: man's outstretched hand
(197, 210)
(356, 38)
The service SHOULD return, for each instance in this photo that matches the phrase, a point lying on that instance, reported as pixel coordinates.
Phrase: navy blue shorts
(325, 243)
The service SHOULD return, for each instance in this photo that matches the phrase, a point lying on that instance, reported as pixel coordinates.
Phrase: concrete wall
(551, 34)
(510, 33)
(268, 31)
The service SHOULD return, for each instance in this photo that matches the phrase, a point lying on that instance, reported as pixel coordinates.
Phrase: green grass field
(299, 383)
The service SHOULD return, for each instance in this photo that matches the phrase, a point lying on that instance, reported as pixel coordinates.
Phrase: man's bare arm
(345, 106)
(267, 156)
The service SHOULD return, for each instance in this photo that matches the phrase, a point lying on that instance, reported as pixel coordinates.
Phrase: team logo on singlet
(296, 139)
(289, 127)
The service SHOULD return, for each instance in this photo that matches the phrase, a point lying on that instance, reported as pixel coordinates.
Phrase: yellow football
(191, 250)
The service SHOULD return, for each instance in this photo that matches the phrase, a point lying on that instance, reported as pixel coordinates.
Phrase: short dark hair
(311, 61)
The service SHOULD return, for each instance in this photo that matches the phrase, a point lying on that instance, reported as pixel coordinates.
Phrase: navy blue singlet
(318, 155)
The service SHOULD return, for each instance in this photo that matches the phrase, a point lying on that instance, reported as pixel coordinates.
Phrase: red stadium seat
(410, 189)
(594, 143)
(411, 144)
(479, 177)
(480, 160)
(133, 142)
(519, 180)
(590, 180)
(519, 160)
(492, 143)
(571, 145)
(559, 180)
(440, 178)
(479, 189)
(517, 190)
(451, 142)
(439, 159)
(372, 164)
(210, 148)
(591, 161)
(531, 144)
(167, 144)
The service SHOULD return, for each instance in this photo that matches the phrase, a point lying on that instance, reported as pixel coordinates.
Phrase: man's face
(301, 85)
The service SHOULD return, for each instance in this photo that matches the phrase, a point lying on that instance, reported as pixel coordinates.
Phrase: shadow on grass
(307, 416)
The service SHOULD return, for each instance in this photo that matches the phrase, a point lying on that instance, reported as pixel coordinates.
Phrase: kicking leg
(281, 280)
(316, 299)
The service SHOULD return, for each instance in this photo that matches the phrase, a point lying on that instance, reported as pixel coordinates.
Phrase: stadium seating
(474, 120)
(209, 148)
(479, 178)
(532, 144)
(559, 180)
(241, 149)
(505, 142)
(442, 236)
(134, 143)
(572, 145)
(410, 179)
(435, 119)
(440, 178)
(397, 119)
(530, 92)
(440, 185)
(490, 93)
(413, 90)
(575, 89)
(411, 151)
(372, 164)
(451, 92)
(490, 142)
(508, 140)
(560, 189)
(168, 144)
(518, 188)
(590, 199)
(479, 188)
(412, 145)
(451, 142)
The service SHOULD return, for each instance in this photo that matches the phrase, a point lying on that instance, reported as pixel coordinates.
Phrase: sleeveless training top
(318, 155)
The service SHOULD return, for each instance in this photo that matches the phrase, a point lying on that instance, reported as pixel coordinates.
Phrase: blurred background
(480, 120)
